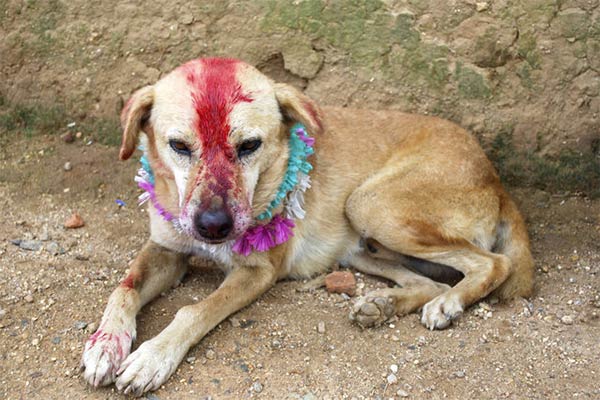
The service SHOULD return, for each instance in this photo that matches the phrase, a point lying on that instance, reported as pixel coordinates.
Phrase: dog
(253, 175)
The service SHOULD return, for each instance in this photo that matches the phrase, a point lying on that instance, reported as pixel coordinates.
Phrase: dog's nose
(213, 224)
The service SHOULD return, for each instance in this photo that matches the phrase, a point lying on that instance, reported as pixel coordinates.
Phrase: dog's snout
(213, 224)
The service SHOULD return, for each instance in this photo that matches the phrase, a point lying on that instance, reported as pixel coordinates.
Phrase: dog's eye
(248, 147)
(180, 147)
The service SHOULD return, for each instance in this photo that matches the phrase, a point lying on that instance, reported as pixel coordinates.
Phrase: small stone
(75, 221)
(210, 354)
(82, 257)
(68, 166)
(54, 249)
(150, 396)
(31, 245)
(186, 19)
(78, 135)
(190, 360)
(321, 327)
(56, 340)
(28, 298)
(459, 374)
(276, 344)
(567, 320)
(402, 393)
(341, 282)
(68, 137)
(481, 6)
(80, 325)
(391, 379)
(394, 368)
(35, 342)
(2, 313)
(92, 327)
(257, 387)
(395, 338)
(235, 322)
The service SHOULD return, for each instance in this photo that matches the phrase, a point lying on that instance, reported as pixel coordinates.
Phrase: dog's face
(217, 129)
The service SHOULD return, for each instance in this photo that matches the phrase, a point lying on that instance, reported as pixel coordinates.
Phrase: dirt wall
(522, 75)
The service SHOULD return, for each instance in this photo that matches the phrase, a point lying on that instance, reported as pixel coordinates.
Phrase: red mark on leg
(130, 281)
(215, 90)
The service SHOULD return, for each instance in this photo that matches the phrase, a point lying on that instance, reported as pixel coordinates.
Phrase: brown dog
(390, 192)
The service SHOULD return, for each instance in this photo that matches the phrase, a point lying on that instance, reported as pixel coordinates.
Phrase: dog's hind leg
(379, 305)
(154, 270)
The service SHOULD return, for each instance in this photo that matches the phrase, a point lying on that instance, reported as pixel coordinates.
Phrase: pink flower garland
(264, 237)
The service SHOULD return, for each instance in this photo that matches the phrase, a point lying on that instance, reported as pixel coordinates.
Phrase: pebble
(210, 354)
(75, 221)
(56, 340)
(35, 342)
(2, 313)
(321, 327)
(68, 137)
(341, 282)
(80, 325)
(257, 387)
(235, 322)
(54, 249)
(68, 166)
(402, 393)
(190, 360)
(28, 298)
(394, 368)
(31, 245)
(92, 327)
(460, 374)
(481, 6)
(276, 344)
(151, 396)
(391, 379)
(567, 320)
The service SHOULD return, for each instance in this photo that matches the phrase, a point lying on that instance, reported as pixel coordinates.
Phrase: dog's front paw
(372, 310)
(103, 354)
(441, 311)
(148, 367)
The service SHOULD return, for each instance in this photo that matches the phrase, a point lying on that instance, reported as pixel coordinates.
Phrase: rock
(28, 298)
(309, 396)
(235, 322)
(460, 374)
(276, 344)
(210, 354)
(35, 342)
(92, 327)
(54, 249)
(394, 368)
(257, 387)
(2, 313)
(68, 166)
(402, 393)
(321, 327)
(567, 320)
(68, 137)
(80, 325)
(151, 396)
(190, 360)
(391, 379)
(341, 282)
(31, 245)
(75, 221)
(481, 6)
(56, 340)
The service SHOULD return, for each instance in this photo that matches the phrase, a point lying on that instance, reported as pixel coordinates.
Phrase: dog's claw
(440, 312)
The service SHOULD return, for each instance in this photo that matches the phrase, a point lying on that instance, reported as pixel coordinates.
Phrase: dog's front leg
(154, 270)
(155, 360)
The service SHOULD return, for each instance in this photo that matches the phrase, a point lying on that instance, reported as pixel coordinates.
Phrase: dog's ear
(133, 117)
(298, 107)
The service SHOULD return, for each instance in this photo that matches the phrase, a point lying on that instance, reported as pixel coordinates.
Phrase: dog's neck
(269, 230)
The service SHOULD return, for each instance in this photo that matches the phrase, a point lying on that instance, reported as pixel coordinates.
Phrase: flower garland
(279, 229)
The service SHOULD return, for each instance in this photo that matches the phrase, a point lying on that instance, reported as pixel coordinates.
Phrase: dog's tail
(512, 240)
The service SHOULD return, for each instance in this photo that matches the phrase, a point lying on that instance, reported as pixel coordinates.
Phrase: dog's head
(217, 132)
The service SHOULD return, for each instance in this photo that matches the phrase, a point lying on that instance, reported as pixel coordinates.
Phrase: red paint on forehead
(215, 90)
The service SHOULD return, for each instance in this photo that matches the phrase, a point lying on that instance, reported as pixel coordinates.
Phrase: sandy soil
(52, 298)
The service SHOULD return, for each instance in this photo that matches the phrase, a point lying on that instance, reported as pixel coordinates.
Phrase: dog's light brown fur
(418, 186)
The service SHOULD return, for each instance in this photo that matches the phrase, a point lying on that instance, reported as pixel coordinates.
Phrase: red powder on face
(215, 90)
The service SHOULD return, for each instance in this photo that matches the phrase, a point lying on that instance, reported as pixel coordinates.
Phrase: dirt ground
(51, 299)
